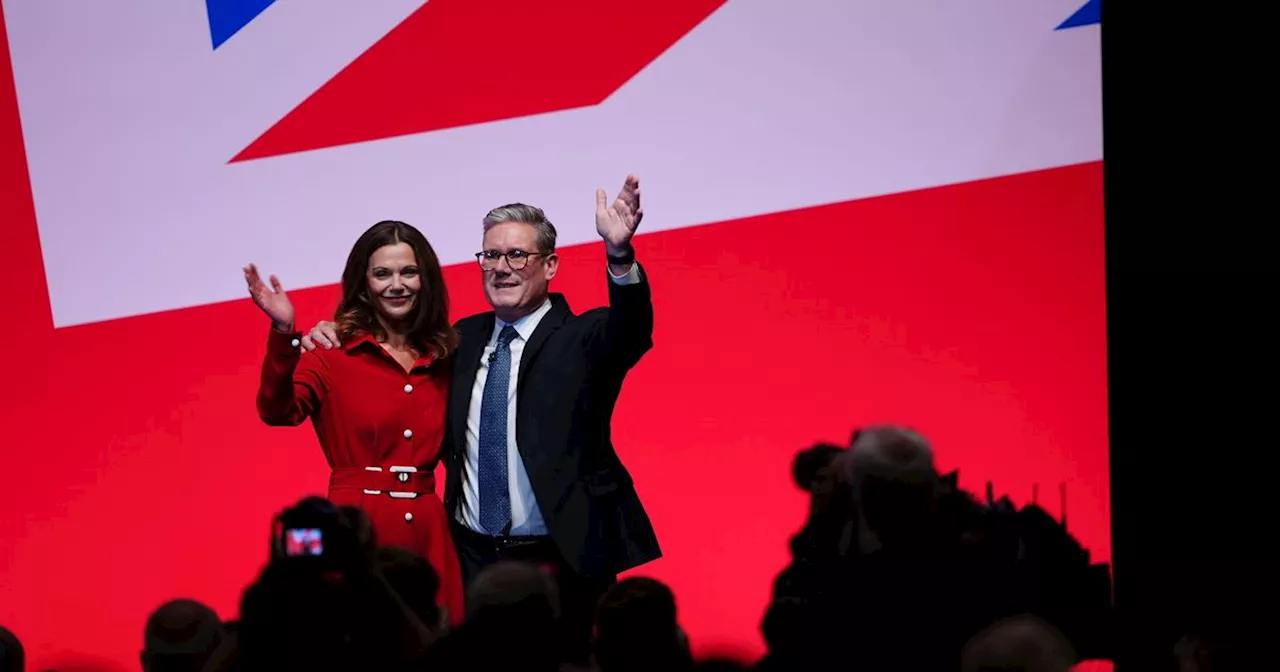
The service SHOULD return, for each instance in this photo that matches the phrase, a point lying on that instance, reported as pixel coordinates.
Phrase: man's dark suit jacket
(571, 373)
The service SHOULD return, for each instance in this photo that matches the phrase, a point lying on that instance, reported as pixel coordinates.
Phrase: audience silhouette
(895, 568)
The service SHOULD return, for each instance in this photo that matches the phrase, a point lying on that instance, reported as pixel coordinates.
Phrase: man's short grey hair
(897, 458)
(891, 453)
(545, 231)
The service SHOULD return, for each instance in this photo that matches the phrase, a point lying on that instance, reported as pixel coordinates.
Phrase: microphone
(493, 356)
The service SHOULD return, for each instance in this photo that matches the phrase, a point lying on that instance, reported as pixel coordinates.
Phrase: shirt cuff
(282, 344)
(632, 277)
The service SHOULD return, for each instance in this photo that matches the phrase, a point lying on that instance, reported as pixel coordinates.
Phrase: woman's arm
(292, 387)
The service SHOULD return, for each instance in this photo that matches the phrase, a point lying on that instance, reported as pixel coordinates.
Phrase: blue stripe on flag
(227, 17)
(1090, 14)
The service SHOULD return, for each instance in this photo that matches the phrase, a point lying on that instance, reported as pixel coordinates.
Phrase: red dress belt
(397, 482)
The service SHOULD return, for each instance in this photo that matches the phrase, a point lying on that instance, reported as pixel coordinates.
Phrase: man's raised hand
(617, 222)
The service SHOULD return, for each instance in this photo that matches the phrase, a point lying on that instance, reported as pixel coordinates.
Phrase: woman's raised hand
(272, 300)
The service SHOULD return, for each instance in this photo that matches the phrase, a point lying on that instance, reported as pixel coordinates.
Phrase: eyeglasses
(516, 259)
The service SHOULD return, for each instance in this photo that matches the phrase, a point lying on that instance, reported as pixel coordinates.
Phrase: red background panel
(135, 468)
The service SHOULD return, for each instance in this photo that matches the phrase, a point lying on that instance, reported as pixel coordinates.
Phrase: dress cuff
(284, 344)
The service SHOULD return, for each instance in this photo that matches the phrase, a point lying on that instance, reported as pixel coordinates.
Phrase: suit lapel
(466, 366)
(550, 322)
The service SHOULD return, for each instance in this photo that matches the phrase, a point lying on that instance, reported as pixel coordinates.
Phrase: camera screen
(303, 541)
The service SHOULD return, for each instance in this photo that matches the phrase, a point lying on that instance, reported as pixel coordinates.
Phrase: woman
(378, 402)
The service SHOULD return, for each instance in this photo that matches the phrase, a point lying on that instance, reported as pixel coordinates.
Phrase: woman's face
(394, 281)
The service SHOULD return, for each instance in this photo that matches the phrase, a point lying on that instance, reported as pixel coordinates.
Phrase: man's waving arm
(628, 332)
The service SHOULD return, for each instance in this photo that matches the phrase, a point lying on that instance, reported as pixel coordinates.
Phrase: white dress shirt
(526, 518)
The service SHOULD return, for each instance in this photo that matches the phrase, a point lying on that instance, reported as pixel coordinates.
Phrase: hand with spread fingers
(617, 222)
(272, 300)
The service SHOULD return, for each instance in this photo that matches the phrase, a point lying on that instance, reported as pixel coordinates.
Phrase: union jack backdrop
(856, 212)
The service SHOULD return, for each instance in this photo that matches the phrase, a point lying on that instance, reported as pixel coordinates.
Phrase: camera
(315, 533)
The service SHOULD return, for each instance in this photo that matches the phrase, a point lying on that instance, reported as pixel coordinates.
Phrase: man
(532, 474)
(895, 486)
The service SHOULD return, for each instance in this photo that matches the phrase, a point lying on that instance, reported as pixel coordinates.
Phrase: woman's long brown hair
(429, 328)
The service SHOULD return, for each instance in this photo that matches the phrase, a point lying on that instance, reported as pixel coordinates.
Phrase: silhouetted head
(514, 586)
(637, 628)
(180, 636)
(415, 581)
(810, 464)
(12, 655)
(1022, 643)
(894, 482)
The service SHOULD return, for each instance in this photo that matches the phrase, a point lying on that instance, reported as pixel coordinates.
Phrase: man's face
(515, 292)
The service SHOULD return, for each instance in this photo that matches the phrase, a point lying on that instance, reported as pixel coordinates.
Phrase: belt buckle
(402, 475)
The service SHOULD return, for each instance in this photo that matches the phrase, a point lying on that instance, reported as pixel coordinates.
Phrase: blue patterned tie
(495, 494)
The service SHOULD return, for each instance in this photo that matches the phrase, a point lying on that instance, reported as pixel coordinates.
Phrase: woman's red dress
(380, 428)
